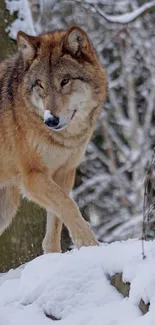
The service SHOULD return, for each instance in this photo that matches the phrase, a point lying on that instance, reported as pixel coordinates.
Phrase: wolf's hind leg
(9, 202)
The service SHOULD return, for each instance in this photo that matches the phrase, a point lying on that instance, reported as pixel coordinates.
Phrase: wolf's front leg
(52, 241)
(40, 188)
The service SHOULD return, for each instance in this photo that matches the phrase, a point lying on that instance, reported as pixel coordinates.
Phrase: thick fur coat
(51, 92)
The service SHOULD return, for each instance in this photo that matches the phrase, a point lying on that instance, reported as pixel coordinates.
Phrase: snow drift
(74, 289)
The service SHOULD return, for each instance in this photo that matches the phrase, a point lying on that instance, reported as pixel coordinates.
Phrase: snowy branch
(128, 17)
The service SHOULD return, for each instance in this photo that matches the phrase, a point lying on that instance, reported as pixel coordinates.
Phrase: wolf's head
(63, 77)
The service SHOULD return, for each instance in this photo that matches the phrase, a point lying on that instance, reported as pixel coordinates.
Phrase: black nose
(52, 122)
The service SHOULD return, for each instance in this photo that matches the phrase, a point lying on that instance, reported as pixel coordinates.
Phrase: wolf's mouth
(53, 122)
(74, 112)
(63, 126)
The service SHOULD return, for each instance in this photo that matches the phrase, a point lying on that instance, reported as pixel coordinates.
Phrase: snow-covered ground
(74, 287)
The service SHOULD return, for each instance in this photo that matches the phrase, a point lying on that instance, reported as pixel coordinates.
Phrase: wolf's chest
(55, 157)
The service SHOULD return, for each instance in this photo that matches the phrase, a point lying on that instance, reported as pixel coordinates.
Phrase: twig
(148, 207)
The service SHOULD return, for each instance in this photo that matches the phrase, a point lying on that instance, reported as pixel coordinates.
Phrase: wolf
(51, 93)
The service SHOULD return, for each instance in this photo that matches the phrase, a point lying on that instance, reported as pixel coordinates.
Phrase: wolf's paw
(50, 246)
(84, 237)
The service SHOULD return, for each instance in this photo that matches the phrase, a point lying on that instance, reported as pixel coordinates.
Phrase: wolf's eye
(38, 83)
(64, 82)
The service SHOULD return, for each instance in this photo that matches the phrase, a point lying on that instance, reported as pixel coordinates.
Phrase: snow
(74, 287)
(24, 21)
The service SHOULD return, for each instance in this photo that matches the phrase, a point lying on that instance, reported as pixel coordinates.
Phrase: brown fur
(36, 161)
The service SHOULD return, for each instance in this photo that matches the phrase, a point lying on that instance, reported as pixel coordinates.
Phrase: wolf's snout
(52, 122)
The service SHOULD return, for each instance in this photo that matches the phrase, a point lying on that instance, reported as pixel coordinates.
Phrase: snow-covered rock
(74, 287)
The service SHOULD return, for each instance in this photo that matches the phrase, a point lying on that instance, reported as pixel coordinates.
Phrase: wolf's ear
(76, 42)
(27, 45)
